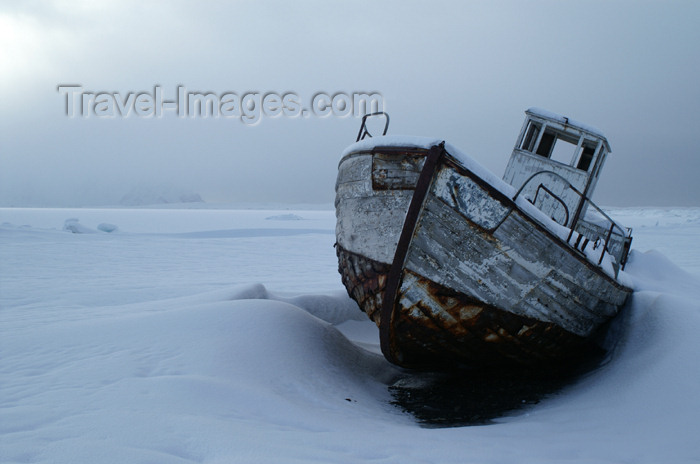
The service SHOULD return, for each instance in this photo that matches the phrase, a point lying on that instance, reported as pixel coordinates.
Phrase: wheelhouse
(573, 152)
(555, 164)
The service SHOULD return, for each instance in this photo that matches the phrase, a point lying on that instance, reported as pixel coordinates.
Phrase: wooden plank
(517, 268)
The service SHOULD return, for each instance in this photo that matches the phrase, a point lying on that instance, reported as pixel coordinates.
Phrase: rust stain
(365, 281)
(444, 327)
(396, 170)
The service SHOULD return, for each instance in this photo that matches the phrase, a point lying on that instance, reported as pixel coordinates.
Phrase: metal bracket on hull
(432, 160)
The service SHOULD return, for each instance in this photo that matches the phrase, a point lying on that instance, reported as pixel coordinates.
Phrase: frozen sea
(225, 336)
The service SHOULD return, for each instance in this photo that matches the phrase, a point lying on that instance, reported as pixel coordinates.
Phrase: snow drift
(165, 348)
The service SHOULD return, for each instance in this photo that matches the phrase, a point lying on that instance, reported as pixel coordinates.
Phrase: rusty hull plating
(443, 328)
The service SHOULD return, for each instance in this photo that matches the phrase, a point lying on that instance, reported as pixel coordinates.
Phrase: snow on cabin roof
(545, 114)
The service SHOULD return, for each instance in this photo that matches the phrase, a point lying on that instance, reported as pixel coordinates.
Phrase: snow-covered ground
(220, 336)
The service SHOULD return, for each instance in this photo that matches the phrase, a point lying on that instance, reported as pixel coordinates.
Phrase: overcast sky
(461, 71)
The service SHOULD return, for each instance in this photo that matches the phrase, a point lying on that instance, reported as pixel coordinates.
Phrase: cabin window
(531, 134)
(599, 164)
(584, 162)
(565, 147)
(564, 150)
(546, 144)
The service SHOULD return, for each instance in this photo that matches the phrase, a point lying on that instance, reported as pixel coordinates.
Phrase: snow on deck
(593, 256)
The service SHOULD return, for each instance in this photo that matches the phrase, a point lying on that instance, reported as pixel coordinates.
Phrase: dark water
(464, 397)
(477, 396)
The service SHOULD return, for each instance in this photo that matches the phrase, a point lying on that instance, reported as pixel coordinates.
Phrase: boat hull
(454, 272)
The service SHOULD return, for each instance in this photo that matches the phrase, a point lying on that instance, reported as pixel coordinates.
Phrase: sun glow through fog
(19, 47)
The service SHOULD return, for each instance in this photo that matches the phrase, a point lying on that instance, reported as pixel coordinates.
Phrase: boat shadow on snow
(478, 396)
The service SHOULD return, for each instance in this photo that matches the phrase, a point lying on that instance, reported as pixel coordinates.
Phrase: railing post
(577, 216)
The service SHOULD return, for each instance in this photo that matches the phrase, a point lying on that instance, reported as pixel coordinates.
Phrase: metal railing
(363, 127)
(621, 255)
(555, 197)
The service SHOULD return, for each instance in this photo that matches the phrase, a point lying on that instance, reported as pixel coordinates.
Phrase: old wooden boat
(458, 266)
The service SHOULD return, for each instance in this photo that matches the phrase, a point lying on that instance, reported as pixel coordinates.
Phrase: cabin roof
(568, 123)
